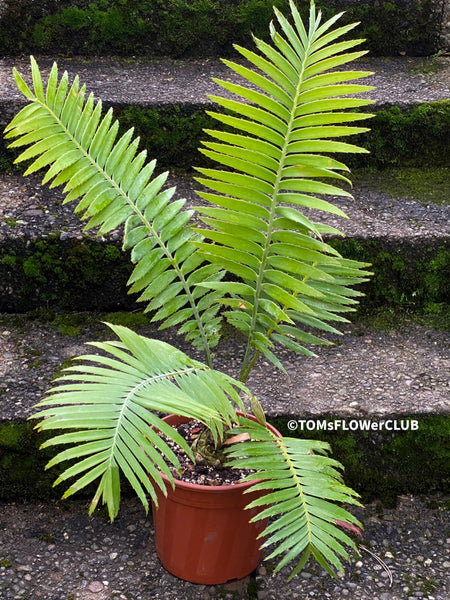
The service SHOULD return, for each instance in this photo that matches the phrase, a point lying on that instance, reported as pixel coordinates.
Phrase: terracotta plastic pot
(203, 534)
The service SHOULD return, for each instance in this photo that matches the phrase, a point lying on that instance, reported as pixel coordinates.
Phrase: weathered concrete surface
(368, 372)
(399, 81)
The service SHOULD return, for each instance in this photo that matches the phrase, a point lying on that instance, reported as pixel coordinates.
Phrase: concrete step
(400, 80)
(166, 101)
(46, 259)
(366, 371)
(380, 397)
(55, 551)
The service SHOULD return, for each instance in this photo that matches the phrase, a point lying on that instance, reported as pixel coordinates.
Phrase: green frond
(107, 408)
(288, 115)
(65, 134)
(303, 497)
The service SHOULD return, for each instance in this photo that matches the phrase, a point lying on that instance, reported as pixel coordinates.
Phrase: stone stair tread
(368, 373)
(32, 211)
(40, 542)
(401, 81)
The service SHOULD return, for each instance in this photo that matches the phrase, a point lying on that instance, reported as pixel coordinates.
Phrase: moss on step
(75, 274)
(432, 316)
(132, 320)
(71, 274)
(200, 27)
(170, 133)
(378, 464)
(426, 185)
(415, 278)
(74, 323)
(398, 137)
(22, 465)
(383, 464)
(412, 137)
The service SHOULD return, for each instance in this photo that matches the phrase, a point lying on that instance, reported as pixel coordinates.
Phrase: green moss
(379, 465)
(69, 274)
(412, 278)
(416, 25)
(74, 275)
(172, 134)
(70, 362)
(5, 563)
(71, 324)
(35, 364)
(428, 66)
(427, 185)
(415, 583)
(416, 137)
(252, 590)
(10, 260)
(174, 28)
(432, 315)
(435, 315)
(12, 436)
(10, 221)
(22, 464)
(198, 27)
(131, 320)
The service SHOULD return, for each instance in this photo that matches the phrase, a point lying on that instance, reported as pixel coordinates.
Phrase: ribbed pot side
(203, 534)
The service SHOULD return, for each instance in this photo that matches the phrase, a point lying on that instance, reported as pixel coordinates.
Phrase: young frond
(288, 115)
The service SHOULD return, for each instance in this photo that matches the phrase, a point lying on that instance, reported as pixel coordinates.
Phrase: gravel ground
(56, 552)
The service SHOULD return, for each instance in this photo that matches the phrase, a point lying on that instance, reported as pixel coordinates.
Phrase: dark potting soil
(201, 474)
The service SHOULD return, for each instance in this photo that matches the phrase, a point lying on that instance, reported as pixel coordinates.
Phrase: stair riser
(407, 274)
(399, 455)
(205, 28)
(85, 274)
(72, 274)
(410, 136)
(378, 464)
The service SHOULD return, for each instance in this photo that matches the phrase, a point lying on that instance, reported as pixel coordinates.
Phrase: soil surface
(201, 472)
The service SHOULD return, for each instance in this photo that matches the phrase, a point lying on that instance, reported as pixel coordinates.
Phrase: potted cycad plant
(273, 161)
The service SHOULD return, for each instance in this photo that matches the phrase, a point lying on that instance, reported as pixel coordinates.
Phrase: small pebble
(95, 587)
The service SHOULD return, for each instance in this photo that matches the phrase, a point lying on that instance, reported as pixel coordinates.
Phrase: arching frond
(66, 133)
(304, 491)
(108, 408)
(287, 116)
